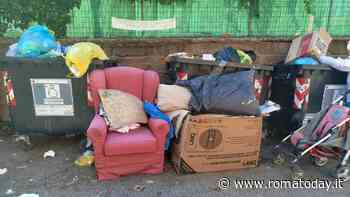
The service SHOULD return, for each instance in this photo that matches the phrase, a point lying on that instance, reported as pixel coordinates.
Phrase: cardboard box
(209, 143)
(315, 43)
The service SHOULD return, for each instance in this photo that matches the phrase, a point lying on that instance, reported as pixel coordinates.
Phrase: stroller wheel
(320, 161)
(297, 175)
(297, 172)
(279, 159)
(343, 173)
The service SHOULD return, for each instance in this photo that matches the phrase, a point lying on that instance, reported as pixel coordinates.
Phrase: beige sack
(122, 109)
(173, 97)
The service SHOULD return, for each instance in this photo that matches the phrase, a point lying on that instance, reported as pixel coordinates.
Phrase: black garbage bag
(231, 93)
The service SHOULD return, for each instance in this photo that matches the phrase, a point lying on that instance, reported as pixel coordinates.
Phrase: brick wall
(150, 53)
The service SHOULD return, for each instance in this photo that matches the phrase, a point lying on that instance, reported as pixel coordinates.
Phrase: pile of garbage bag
(39, 42)
(231, 94)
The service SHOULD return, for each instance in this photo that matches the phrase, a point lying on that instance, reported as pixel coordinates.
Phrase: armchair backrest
(135, 81)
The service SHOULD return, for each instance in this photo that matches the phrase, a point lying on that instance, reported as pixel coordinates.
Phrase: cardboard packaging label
(217, 142)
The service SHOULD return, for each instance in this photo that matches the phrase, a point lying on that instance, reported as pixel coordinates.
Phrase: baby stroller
(327, 135)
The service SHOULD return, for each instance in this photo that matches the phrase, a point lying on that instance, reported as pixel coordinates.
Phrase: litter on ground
(49, 153)
(3, 171)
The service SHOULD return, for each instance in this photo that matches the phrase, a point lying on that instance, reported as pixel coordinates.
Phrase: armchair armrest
(160, 129)
(97, 133)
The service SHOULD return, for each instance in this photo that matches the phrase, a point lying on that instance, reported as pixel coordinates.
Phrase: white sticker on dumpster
(52, 97)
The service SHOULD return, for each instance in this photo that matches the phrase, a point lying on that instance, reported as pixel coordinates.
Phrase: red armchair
(139, 151)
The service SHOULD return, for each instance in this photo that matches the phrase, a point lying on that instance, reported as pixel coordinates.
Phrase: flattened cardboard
(211, 143)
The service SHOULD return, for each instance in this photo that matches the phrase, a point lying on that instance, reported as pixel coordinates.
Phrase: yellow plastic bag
(80, 55)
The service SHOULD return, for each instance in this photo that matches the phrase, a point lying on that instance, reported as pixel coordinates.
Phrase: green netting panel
(154, 10)
(120, 9)
(81, 25)
(94, 18)
(339, 18)
(193, 18)
(279, 18)
(321, 10)
(203, 18)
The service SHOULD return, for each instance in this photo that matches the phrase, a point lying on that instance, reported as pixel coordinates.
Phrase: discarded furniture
(139, 151)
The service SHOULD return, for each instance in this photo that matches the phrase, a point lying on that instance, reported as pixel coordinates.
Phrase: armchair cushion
(140, 140)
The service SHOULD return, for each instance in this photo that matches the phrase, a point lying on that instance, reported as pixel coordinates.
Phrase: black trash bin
(43, 100)
(299, 90)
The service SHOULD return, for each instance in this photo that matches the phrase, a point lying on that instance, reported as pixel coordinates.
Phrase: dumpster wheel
(297, 173)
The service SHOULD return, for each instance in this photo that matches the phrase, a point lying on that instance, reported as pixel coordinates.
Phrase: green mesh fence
(209, 18)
